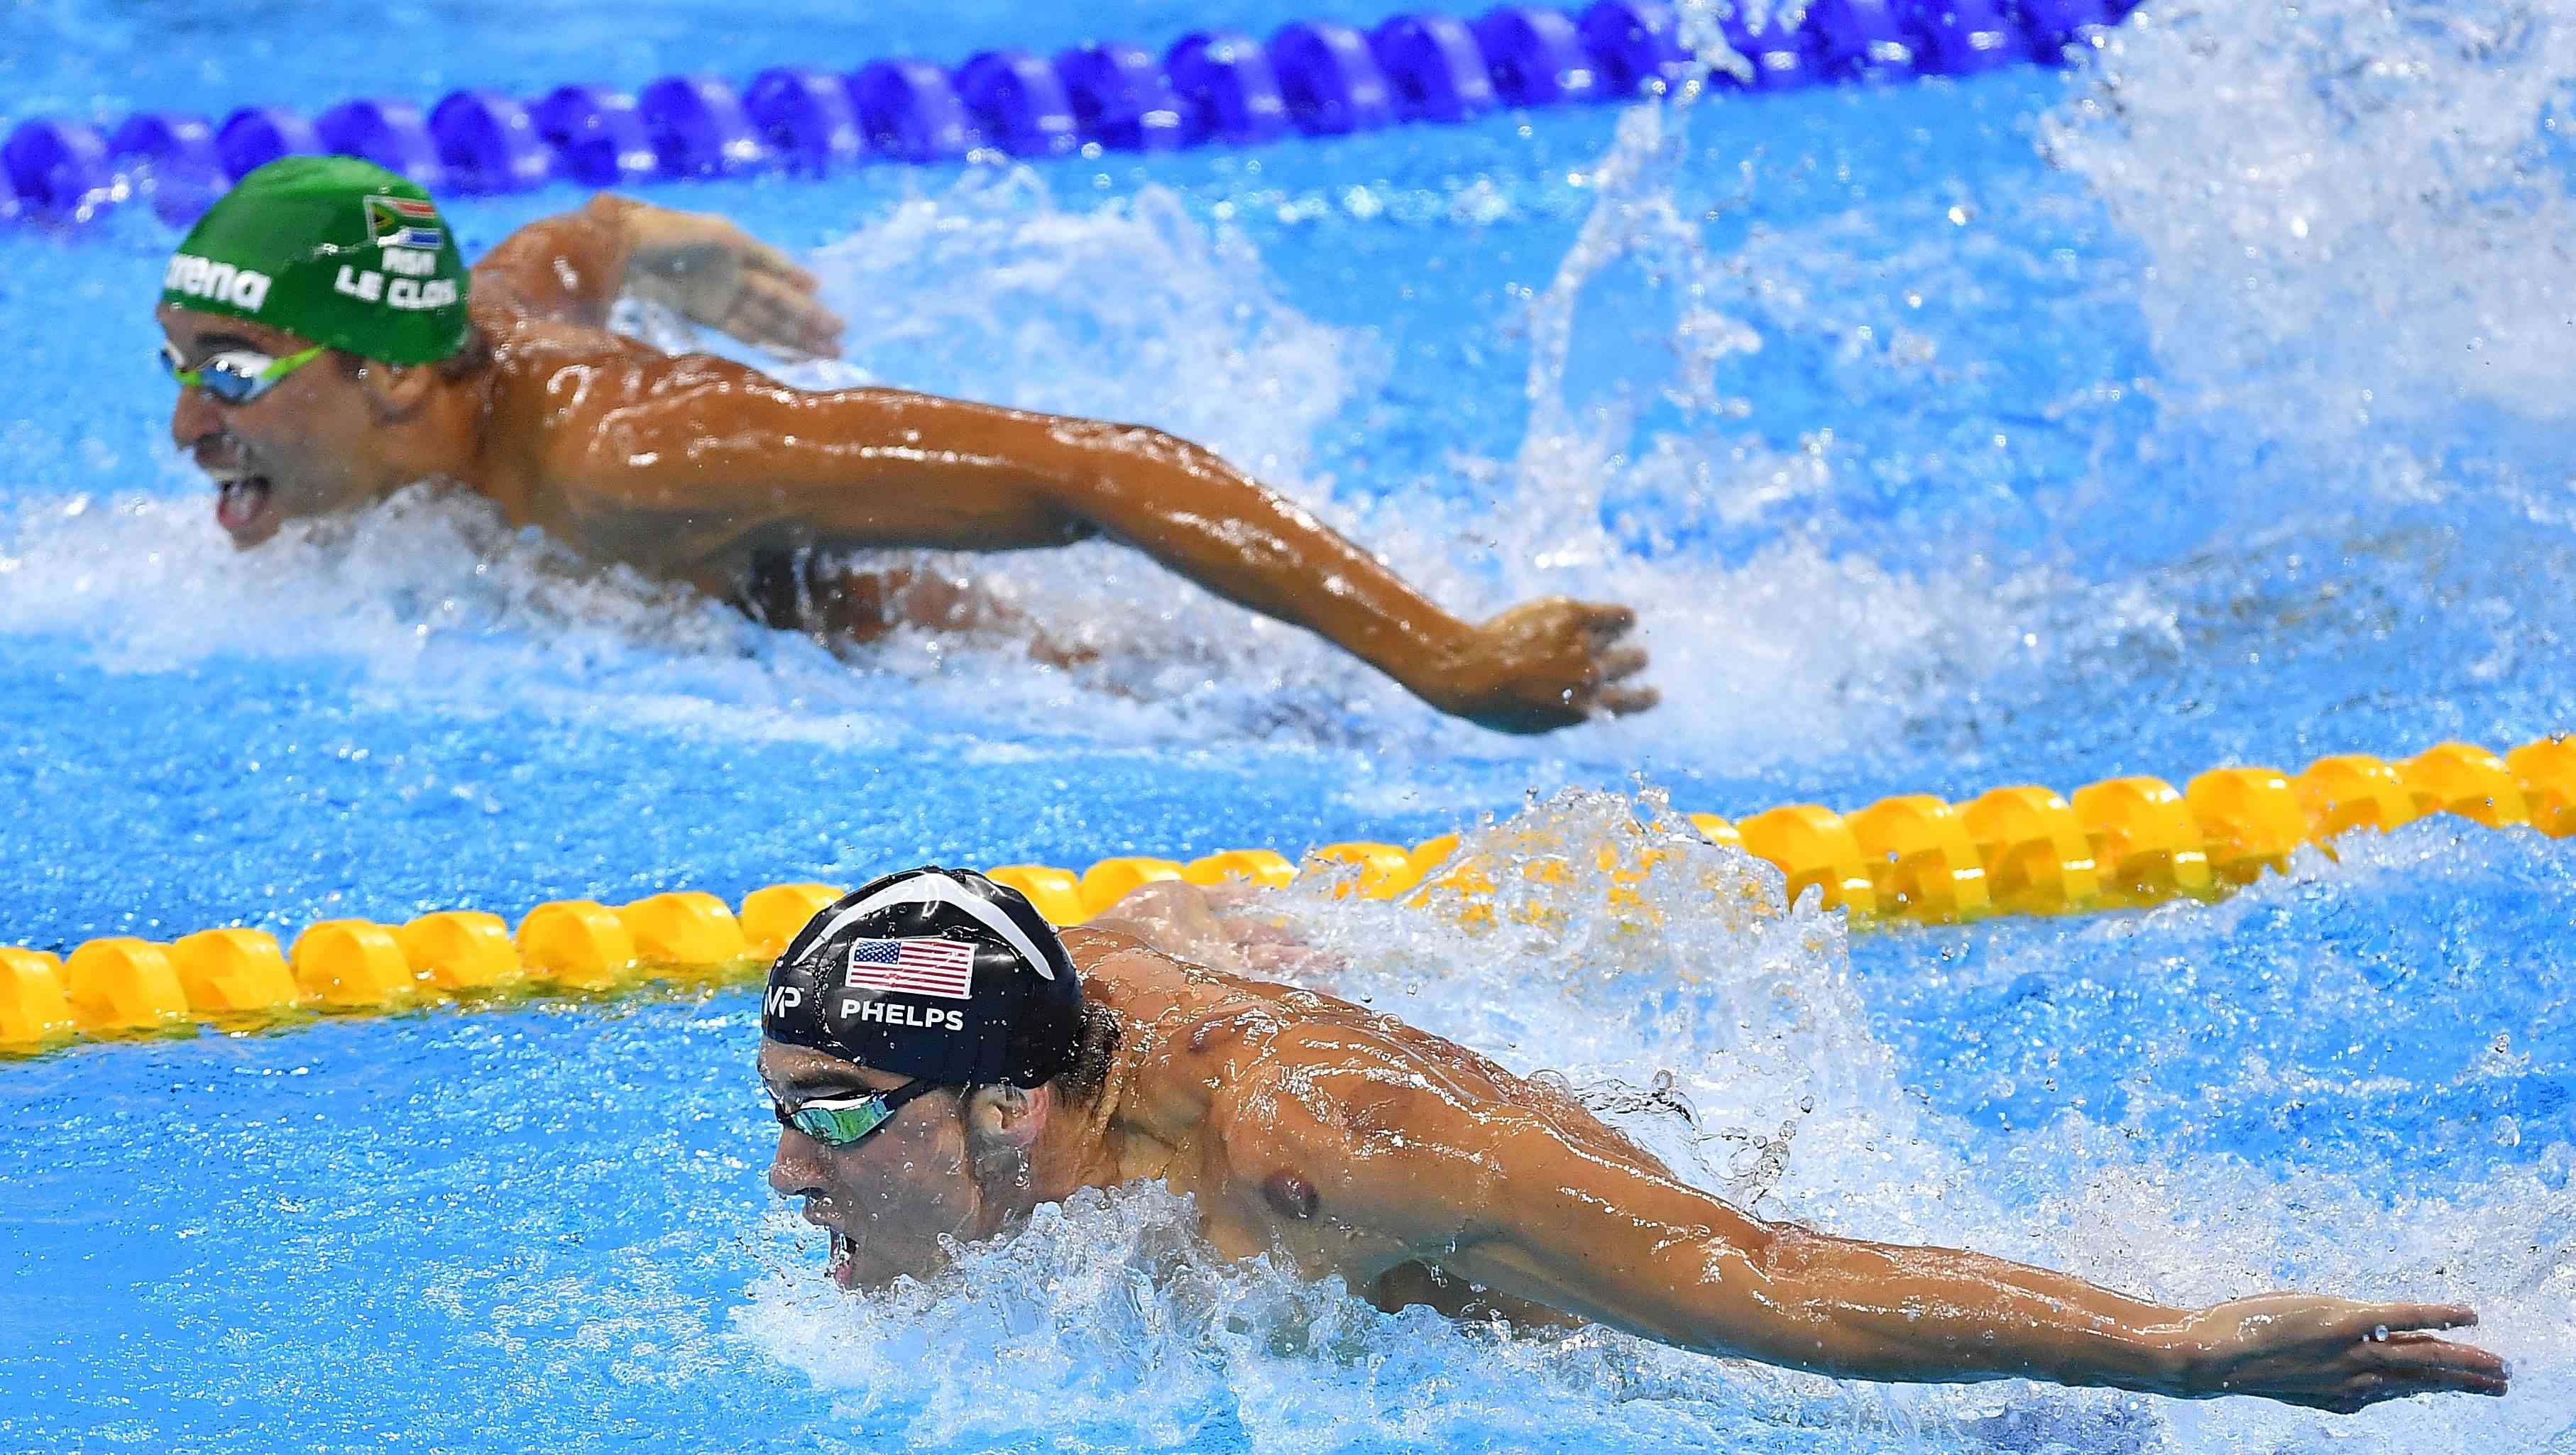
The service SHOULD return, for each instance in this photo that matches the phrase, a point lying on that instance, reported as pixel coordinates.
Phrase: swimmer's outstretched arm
(575, 264)
(1535, 1216)
(859, 468)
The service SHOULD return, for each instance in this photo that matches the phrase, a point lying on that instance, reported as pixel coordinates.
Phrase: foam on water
(1107, 1320)
(2353, 218)
(427, 598)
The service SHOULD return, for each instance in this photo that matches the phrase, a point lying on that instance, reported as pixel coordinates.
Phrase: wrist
(612, 211)
(616, 218)
(2175, 1357)
(1443, 666)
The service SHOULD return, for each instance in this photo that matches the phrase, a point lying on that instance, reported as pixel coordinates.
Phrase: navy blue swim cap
(938, 974)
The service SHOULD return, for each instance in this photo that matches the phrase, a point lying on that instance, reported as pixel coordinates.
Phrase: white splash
(2355, 213)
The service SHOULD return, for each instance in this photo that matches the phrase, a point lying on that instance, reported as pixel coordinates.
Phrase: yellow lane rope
(2121, 843)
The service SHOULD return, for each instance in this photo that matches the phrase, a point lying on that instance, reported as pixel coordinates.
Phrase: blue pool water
(2209, 404)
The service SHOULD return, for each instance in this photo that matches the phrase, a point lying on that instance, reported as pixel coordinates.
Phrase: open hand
(1546, 664)
(1219, 927)
(2333, 1353)
(716, 274)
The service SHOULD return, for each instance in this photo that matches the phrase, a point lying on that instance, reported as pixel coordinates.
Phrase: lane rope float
(1318, 78)
(2119, 844)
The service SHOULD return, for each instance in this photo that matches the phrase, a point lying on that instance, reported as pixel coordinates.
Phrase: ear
(396, 392)
(999, 1117)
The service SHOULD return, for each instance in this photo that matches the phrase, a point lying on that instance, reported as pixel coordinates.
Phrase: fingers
(721, 235)
(2403, 1359)
(1606, 624)
(717, 274)
(766, 259)
(1612, 663)
(1621, 663)
(2424, 1357)
(2363, 1321)
(772, 314)
(1613, 692)
(1245, 929)
(2435, 1316)
(1554, 662)
(1165, 899)
(2364, 1390)
(1231, 894)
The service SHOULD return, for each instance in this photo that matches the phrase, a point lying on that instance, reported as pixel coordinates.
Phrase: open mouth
(241, 501)
(843, 1265)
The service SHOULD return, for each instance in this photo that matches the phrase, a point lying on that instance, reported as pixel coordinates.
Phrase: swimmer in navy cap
(942, 1063)
(333, 347)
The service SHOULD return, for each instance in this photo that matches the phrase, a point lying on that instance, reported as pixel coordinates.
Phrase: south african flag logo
(399, 222)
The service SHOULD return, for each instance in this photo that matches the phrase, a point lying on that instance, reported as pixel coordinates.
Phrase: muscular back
(1270, 1098)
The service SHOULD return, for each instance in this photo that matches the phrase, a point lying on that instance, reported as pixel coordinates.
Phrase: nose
(194, 419)
(795, 1171)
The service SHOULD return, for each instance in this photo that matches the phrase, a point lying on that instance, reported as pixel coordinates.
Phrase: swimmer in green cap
(942, 1062)
(334, 348)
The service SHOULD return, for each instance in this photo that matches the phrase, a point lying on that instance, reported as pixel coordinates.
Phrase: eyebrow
(824, 1078)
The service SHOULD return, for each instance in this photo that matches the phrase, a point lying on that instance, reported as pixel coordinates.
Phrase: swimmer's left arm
(574, 265)
(1508, 1201)
(870, 468)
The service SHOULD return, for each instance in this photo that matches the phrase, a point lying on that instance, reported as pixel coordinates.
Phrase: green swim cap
(333, 248)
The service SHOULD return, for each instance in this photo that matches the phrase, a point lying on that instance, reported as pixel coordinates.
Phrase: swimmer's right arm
(574, 265)
(1535, 1216)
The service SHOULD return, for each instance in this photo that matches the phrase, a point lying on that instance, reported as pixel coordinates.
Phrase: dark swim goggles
(235, 376)
(847, 1121)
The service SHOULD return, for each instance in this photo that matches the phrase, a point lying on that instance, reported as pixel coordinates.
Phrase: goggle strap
(906, 1092)
(292, 362)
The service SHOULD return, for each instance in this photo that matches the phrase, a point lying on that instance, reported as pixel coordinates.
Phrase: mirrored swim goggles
(235, 376)
(846, 1121)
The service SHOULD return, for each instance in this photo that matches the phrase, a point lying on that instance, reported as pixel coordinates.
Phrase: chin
(853, 1265)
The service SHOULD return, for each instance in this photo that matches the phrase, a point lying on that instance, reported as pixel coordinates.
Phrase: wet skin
(700, 470)
(1345, 1142)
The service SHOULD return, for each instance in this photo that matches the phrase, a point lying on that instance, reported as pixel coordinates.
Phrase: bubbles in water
(2353, 213)
(429, 596)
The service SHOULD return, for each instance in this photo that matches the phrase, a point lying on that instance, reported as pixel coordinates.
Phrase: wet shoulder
(536, 345)
(1329, 1074)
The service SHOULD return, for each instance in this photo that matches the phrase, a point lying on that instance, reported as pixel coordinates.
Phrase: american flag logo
(915, 967)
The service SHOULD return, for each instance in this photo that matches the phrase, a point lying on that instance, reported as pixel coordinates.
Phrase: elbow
(1774, 1268)
(1776, 1251)
(610, 210)
(1106, 457)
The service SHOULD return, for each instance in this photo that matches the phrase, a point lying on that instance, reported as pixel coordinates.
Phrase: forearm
(861, 468)
(1194, 513)
(1872, 1311)
(571, 265)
